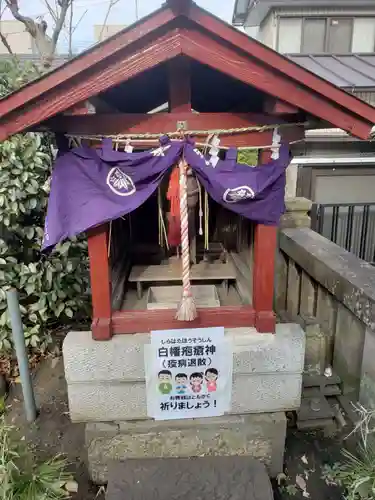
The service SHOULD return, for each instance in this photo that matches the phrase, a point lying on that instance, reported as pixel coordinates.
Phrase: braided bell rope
(187, 309)
(185, 249)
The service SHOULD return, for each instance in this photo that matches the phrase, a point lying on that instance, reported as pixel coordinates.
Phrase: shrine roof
(141, 52)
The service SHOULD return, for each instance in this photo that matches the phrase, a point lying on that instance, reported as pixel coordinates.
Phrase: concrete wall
(319, 279)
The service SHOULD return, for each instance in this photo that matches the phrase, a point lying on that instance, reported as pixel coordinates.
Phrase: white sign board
(188, 373)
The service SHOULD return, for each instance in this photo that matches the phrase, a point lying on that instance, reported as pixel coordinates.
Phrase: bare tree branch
(5, 42)
(71, 30)
(64, 6)
(38, 30)
(111, 4)
(52, 12)
(30, 25)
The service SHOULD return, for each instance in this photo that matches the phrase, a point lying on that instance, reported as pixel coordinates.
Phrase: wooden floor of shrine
(222, 276)
(131, 301)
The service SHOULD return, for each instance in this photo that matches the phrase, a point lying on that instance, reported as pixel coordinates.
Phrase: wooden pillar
(265, 242)
(179, 85)
(100, 283)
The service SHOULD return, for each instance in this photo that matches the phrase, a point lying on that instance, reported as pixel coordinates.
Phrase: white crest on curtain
(120, 183)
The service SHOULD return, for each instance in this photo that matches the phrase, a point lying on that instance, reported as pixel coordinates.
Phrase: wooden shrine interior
(181, 66)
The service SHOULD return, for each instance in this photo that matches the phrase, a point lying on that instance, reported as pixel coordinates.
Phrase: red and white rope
(185, 249)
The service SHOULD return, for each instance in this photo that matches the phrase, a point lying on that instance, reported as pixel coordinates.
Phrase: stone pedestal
(106, 387)
(296, 213)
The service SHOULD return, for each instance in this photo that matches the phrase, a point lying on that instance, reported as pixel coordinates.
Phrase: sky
(90, 12)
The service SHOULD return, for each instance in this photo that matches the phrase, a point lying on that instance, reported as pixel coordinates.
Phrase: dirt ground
(53, 433)
(306, 455)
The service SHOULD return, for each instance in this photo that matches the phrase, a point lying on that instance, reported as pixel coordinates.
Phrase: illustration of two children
(182, 381)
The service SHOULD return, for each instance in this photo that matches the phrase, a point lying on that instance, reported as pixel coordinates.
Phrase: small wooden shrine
(182, 71)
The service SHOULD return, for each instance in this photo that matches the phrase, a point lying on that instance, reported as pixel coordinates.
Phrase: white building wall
(268, 30)
(252, 31)
(18, 38)
(101, 32)
(282, 28)
(345, 188)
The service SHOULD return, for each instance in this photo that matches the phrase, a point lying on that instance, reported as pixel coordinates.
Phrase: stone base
(258, 436)
(106, 380)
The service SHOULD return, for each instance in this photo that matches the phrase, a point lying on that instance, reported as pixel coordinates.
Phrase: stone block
(291, 181)
(295, 220)
(326, 310)
(298, 204)
(204, 478)
(106, 380)
(281, 282)
(367, 387)
(109, 401)
(315, 352)
(258, 436)
(348, 353)
(296, 214)
(293, 290)
(308, 295)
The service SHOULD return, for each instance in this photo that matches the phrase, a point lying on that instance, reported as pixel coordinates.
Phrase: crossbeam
(128, 124)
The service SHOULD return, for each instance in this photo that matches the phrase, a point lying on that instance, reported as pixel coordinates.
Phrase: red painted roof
(181, 27)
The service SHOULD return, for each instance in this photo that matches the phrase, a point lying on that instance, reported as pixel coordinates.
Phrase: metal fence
(352, 226)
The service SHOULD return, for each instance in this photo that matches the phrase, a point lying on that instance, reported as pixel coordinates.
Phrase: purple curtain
(92, 186)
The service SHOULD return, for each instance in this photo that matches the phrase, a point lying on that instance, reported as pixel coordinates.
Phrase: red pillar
(265, 242)
(100, 283)
(179, 85)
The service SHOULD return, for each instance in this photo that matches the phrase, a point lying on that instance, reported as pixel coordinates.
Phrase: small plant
(22, 478)
(356, 474)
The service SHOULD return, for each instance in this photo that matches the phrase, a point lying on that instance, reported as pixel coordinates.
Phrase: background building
(335, 40)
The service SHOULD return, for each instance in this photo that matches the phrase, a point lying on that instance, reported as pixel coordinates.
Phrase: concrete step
(203, 478)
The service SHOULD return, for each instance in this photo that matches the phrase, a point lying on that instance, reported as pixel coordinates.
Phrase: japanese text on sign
(189, 373)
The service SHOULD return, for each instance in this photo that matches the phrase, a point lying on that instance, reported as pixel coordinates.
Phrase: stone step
(314, 409)
(260, 437)
(203, 478)
(320, 380)
(327, 390)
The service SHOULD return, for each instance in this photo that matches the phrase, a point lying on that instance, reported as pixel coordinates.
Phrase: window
(340, 35)
(289, 35)
(332, 35)
(314, 35)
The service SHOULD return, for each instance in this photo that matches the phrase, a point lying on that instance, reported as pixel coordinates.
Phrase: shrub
(22, 478)
(248, 156)
(52, 289)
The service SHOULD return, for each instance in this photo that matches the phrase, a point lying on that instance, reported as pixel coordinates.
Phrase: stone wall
(319, 283)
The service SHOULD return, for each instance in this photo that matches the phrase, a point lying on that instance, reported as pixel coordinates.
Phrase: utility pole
(136, 10)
